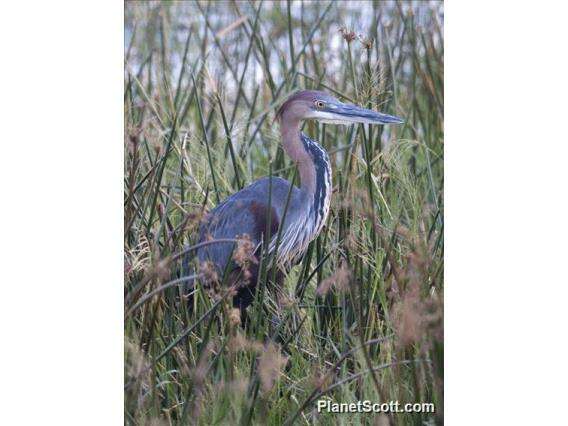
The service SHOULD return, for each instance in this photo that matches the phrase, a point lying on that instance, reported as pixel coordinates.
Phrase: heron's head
(316, 105)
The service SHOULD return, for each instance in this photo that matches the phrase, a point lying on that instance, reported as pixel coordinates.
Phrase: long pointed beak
(341, 113)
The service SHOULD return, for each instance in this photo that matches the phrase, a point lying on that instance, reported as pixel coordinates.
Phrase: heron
(273, 207)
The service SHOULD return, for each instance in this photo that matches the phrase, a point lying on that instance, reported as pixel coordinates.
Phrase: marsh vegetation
(361, 317)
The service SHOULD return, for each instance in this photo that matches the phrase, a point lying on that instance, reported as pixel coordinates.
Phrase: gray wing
(245, 212)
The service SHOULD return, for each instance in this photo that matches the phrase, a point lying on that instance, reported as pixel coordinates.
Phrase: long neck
(315, 176)
(296, 150)
(314, 167)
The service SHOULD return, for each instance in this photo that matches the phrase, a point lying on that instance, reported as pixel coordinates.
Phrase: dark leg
(242, 300)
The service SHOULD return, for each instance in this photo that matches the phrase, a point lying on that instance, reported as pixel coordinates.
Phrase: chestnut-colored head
(317, 105)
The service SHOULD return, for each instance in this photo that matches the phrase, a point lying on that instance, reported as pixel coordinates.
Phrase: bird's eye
(319, 104)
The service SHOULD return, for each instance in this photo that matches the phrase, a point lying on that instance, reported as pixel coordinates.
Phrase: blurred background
(363, 317)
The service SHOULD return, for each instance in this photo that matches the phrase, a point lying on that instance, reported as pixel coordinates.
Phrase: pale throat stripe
(297, 236)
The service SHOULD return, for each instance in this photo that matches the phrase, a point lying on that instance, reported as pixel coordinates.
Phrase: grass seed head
(209, 272)
(348, 36)
(340, 280)
(239, 342)
(244, 253)
(367, 42)
(270, 366)
(182, 360)
(235, 317)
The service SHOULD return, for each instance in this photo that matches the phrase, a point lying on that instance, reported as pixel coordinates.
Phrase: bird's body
(248, 212)
(272, 208)
(262, 208)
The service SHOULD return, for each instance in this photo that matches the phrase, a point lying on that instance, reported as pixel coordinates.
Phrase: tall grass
(361, 318)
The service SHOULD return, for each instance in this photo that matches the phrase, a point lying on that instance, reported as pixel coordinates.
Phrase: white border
(61, 246)
(61, 215)
(506, 210)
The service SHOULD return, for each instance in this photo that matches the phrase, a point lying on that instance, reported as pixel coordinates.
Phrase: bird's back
(247, 212)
